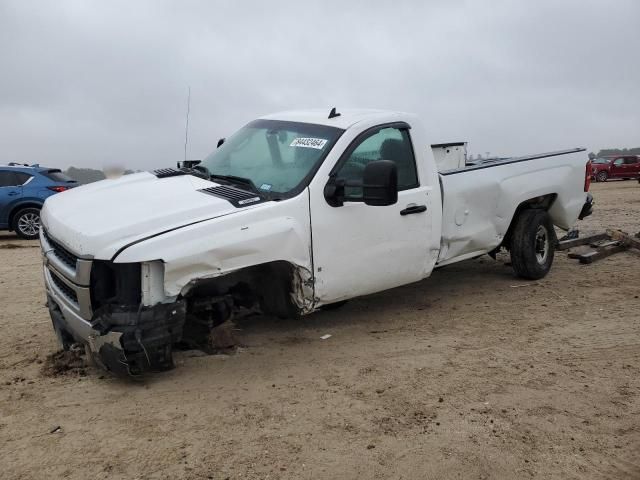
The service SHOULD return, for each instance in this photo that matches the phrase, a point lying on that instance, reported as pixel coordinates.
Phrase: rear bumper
(587, 208)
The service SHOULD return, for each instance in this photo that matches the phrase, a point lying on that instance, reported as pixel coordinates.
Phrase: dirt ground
(470, 374)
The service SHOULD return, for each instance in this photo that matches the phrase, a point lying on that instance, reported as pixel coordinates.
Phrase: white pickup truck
(294, 212)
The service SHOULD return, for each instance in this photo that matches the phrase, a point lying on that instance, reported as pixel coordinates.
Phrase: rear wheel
(532, 244)
(602, 176)
(26, 223)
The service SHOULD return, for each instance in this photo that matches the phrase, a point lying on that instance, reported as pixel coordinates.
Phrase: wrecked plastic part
(571, 235)
(106, 352)
(302, 290)
(136, 340)
(128, 340)
(277, 288)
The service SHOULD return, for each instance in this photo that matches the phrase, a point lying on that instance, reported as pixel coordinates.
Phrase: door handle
(13, 194)
(413, 209)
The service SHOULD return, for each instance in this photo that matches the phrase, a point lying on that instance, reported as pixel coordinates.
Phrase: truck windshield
(277, 156)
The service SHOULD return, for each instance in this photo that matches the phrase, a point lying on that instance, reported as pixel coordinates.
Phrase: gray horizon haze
(93, 84)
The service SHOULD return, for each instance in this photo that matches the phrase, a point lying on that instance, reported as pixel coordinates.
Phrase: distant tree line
(607, 152)
(88, 175)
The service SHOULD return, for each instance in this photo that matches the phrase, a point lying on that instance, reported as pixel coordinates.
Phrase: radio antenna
(186, 127)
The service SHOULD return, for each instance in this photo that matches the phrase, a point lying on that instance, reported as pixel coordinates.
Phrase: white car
(295, 211)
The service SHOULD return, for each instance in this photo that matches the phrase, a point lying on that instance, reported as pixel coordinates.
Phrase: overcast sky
(95, 83)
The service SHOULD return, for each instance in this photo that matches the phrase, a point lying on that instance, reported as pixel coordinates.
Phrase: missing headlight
(115, 283)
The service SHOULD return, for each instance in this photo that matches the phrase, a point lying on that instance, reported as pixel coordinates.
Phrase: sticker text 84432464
(317, 143)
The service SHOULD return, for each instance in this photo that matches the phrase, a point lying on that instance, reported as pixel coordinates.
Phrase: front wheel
(602, 176)
(26, 223)
(532, 244)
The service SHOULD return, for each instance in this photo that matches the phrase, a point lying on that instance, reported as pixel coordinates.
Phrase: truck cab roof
(321, 116)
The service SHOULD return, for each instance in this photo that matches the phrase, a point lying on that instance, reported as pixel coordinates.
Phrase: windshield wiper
(239, 181)
(242, 182)
(198, 170)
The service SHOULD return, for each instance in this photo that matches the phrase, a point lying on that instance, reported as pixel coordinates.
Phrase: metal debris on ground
(601, 245)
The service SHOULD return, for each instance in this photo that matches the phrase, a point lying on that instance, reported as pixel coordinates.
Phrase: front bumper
(123, 339)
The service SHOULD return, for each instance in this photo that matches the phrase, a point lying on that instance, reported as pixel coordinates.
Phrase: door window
(618, 161)
(630, 161)
(386, 144)
(21, 177)
(8, 179)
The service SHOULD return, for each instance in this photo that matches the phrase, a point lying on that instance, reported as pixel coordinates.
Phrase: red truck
(619, 166)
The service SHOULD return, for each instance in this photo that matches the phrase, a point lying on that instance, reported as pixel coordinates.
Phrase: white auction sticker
(317, 143)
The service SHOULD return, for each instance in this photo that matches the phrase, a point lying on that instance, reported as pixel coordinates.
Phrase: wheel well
(269, 286)
(22, 206)
(543, 202)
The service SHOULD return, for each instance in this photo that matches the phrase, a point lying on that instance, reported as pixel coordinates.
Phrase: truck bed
(480, 199)
(492, 162)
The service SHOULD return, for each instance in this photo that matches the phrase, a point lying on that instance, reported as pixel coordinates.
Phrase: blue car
(23, 190)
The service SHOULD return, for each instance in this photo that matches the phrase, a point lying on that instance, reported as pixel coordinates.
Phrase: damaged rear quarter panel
(270, 232)
(479, 205)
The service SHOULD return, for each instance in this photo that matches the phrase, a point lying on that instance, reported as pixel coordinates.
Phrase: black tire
(26, 223)
(602, 176)
(533, 242)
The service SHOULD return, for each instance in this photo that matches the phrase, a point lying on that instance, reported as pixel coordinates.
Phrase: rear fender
(543, 202)
(558, 183)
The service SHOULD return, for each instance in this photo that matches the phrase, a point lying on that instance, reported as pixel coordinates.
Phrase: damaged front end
(129, 328)
(123, 340)
(119, 332)
(121, 302)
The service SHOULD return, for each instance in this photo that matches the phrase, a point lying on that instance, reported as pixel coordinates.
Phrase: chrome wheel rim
(602, 177)
(542, 244)
(29, 224)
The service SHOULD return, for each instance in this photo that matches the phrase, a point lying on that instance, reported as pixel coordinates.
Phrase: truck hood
(98, 219)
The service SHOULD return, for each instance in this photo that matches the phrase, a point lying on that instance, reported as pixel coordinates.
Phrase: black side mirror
(220, 142)
(380, 183)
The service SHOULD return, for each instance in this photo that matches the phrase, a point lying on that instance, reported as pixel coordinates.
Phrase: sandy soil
(471, 373)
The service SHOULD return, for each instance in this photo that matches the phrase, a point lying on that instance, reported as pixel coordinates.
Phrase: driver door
(360, 249)
(617, 168)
